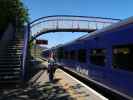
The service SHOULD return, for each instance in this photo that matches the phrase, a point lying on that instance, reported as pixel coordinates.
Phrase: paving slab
(76, 89)
(64, 87)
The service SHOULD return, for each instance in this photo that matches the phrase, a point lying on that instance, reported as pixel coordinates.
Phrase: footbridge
(68, 23)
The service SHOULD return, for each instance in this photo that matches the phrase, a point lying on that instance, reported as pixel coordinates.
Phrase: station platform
(64, 87)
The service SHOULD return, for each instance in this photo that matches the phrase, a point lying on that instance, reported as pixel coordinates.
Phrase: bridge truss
(68, 23)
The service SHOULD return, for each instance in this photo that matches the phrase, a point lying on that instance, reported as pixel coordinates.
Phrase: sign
(42, 42)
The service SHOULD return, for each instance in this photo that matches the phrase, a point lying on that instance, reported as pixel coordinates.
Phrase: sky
(119, 9)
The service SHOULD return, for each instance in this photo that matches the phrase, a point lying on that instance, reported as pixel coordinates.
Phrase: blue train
(105, 56)
(46, 53)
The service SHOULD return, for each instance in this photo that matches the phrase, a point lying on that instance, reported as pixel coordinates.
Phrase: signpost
(42, 42)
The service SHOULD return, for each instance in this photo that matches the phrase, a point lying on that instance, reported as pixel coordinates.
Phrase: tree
(12, 11)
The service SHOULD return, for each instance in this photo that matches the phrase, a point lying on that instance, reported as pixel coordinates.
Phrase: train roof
(111, 27)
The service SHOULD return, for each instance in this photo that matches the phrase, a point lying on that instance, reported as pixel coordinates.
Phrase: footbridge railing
(67, 23)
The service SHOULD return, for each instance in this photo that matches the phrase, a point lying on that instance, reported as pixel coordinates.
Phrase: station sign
(42, 42)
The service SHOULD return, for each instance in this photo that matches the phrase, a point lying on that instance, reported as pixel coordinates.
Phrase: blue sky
(101, 8)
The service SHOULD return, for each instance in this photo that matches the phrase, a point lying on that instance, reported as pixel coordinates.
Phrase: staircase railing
(25, 51)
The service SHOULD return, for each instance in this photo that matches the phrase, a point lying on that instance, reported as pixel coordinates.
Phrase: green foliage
(12, 11)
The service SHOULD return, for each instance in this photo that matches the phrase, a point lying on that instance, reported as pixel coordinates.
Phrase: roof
(100, 31)
(108, 28)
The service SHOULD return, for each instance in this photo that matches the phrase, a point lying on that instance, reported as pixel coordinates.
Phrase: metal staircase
(10, 62)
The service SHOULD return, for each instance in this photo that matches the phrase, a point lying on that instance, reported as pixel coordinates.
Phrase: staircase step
(10, 73)
(14, 53)
(19, 40)
(17, 47)
(13, 57)
(8, 52)
(9, 63)
(10, 57)
(13, 43)
(14, 48)
(5, 83)
(10, 66)
(10, 69)
(9, 78)
(6, 78)
(16, 41)
(10, 60)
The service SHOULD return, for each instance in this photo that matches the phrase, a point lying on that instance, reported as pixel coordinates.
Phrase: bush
(12, 11)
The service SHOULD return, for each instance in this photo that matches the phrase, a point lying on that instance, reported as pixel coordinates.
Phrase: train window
(72, 55)
(82, 55)
(97, 56)
(65, 54)
(122, 57)
(60, 53)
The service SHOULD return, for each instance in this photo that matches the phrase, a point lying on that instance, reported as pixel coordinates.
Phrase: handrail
(25, 50)
(55, 16)
(68, 23)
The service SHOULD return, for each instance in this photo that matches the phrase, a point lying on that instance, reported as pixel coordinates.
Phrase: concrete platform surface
(64, 87)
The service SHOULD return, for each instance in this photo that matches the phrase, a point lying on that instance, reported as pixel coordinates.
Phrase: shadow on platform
(35, 91)
(34, 67)
(47, 91)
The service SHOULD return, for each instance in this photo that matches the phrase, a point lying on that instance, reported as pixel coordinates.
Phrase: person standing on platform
(51, 66)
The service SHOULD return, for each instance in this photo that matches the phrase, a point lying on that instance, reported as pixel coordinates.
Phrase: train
(105, 55)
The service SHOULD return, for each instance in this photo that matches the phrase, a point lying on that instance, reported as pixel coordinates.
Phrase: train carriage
(105, 56)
